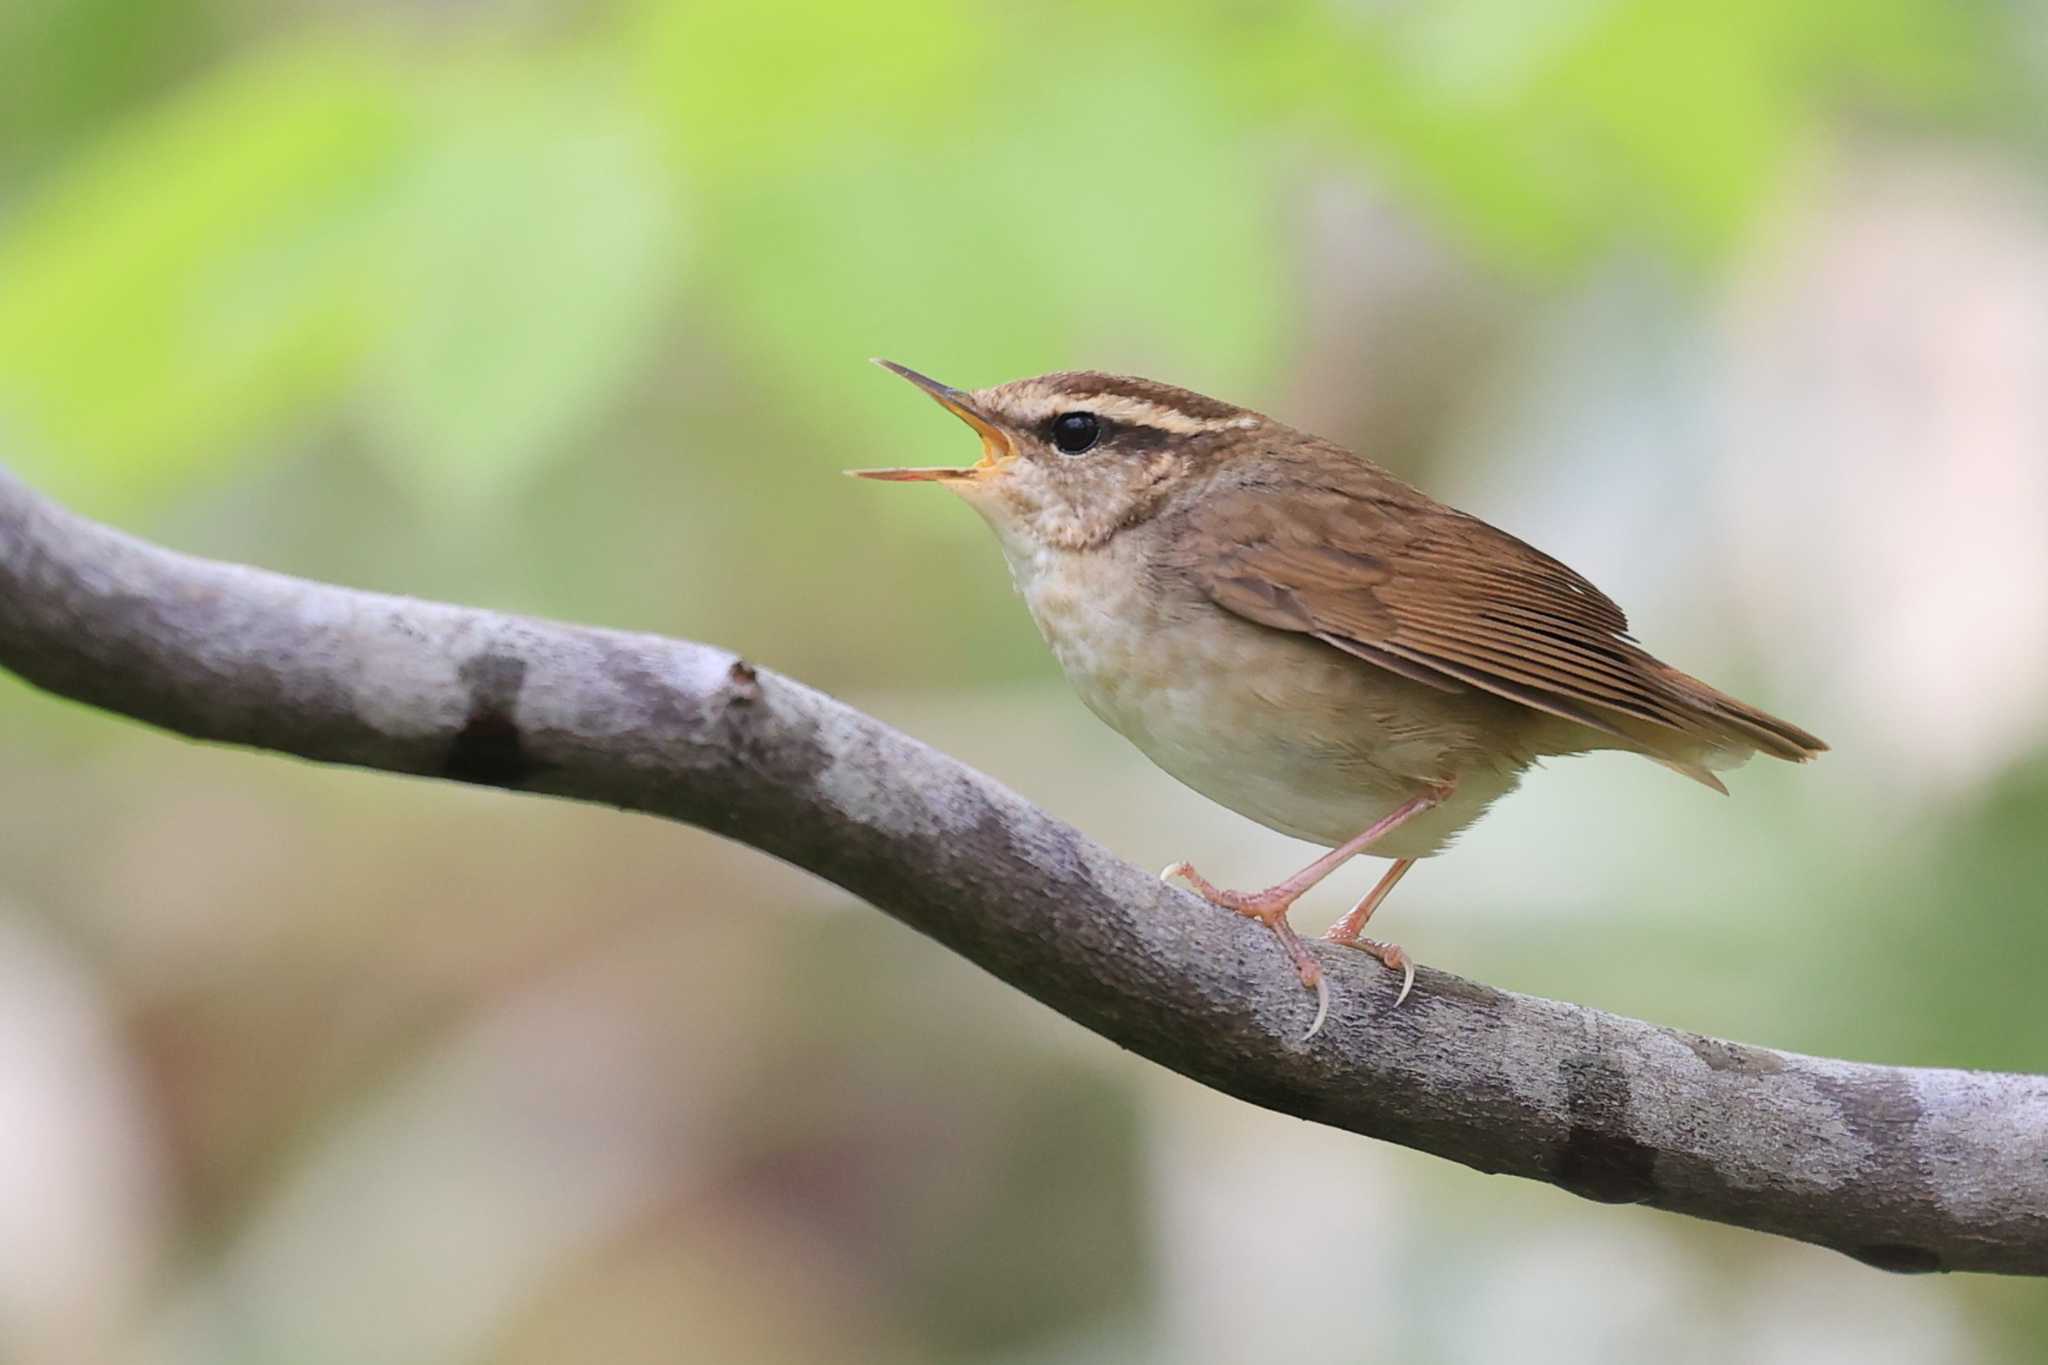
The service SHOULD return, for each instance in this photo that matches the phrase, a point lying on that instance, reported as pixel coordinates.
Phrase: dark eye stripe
(1068, 432)
(1132, 437)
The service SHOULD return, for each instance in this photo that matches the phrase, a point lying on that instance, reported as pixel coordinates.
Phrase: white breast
(1230, 712)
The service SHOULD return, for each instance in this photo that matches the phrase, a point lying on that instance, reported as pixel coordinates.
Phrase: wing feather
(1383, 573)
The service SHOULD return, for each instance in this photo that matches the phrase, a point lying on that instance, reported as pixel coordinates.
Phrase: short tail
(1718, 732)
(1758, 730)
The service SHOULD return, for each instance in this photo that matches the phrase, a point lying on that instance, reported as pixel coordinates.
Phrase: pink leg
(1346, 930)
(1270, 906)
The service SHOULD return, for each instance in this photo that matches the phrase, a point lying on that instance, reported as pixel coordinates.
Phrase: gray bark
(1906, 1169)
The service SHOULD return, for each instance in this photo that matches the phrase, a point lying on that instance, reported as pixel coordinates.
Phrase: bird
(1306, 639)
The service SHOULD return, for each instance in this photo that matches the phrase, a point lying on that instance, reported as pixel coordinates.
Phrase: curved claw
(1322, 1007)
(1391, 955)
(1175, 872)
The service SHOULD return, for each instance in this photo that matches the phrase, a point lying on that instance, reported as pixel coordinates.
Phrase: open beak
(995, 445)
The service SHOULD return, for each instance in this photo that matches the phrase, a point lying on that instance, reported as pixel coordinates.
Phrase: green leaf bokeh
(563, 308)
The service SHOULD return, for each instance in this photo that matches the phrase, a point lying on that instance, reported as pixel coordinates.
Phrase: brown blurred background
(1741, 309)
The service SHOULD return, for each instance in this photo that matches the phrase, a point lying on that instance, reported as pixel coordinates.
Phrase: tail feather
(1757, 729)
(1698, 772)
(1713, 732)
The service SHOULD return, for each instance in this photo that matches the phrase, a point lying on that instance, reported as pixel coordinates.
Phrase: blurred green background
(1741, 308)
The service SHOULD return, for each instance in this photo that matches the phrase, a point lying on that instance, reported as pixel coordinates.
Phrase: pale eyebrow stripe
(1031, 408)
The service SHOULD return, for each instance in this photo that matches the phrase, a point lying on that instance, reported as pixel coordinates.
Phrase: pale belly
(1280, 728)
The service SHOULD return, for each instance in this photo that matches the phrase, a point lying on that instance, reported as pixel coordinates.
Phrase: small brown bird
(1297, 634)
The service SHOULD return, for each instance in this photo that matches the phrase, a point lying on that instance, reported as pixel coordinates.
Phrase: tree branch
(1906, 1169)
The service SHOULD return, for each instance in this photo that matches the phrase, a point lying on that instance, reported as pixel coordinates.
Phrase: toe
(1395, 957)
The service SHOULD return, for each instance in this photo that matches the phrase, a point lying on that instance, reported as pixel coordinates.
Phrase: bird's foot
(1268, 907)
(1392, 955)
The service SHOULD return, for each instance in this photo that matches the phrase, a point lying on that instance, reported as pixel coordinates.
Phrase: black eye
(1074, 432)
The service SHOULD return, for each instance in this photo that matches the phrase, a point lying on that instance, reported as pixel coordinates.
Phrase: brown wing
(1447, 600)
